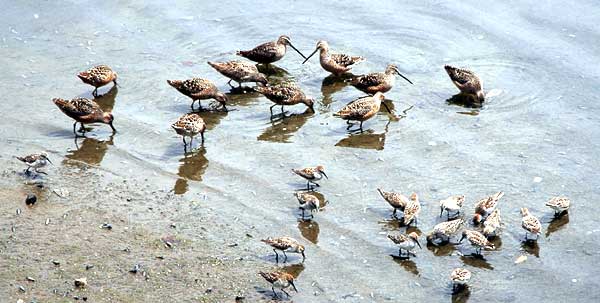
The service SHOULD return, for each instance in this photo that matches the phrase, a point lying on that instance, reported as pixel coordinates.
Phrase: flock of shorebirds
(86, 111)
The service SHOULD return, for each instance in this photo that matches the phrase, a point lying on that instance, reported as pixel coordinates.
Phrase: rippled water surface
(539, 60)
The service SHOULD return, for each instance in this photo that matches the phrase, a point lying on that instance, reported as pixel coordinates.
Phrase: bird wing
(344, 60)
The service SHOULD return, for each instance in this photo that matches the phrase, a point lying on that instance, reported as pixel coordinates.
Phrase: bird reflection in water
(476, 261)
(331, 85)
(461, 296)
(442, 250)
(283, 128)
(467, 102)
(407, 264)
(531, 247)
(557, 223)
(309, 229)
(90, 151)
(107, 100)
(192, 167)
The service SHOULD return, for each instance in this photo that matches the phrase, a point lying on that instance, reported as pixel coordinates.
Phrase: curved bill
(301, 54)
(401, 75)
(306, 59)
(294, 286)
(419, 244)
(49, 161)
(386, 107)
(324, 174)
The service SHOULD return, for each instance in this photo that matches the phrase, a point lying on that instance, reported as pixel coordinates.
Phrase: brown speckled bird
(311, 174)
(467, 82)
(199, 89)
(361, 109)
(559, 204)
(307, 202)
(35, 161)
(285, 244)
(84, 111)
(269, 52)
(530, 224)
(377, 82)
(190, 125)
(477, 239)
(459, 278)
(336, 64)
(98, 76)
(285, 95)
(397, 200)
(280, 280)
(239, 72)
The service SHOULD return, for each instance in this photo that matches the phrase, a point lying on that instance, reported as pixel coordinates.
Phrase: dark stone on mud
(31, 199)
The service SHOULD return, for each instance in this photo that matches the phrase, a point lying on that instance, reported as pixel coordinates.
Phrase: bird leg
(361, 129)
(202, 135)
(95, 92)
(303, 214)
(229, 82)
(276, 256)
(285, 292)
(271, 109)
(284, 257)
(184, 142)
(274, 293)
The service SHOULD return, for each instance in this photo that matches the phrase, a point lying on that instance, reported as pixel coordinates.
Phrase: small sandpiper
(397, 200)
(412, 210)
(337, 64)
(559, 205)
(190, 125)
(486, 206)
(467, 82)
(307, 202)
(199, 89)
(84, 111)
(452, 204)
(362, 109)
(405, 242)
(285, 95)
(377, 82)
(239, 72)
(477, 239)
(98, 76)
(269, 52)
(491, 225)
(285, 244)
(311, 174)
(280, 280)
(35, 161)
(443, 231)
(459, 278)
(530, 224)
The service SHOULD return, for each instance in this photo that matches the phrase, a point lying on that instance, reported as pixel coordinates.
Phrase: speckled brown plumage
(199, 89)
(377, 82)
(269, 52)
(466, 81)
(280, 280)
(84, 111)
(239, 72)
(397, 200)
(190, 125)
(285, 95)
(98, 76)
(35, 161)
(311, 174)
(361, 109)
(530, 224)
(336, 64)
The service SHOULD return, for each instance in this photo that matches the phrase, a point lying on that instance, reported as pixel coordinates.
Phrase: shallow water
(540, 60)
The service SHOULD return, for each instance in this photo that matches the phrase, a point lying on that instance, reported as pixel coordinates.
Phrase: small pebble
(30, 279)
(21, 288)
(80, 283)
(89, 266)
(106, 226)
(31, 199)
(55, 262)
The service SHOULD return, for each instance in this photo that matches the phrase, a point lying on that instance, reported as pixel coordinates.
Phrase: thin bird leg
(271, 109)
(284, 257)
(74, 126)
(202, 135)
(274, 293)
(95, 92)
(394, 212)
(285, 292)
(184, 142)
(276, 255)
(307, 185)
(361, 129)
(303, 214)
(229, 82)
(282, 109)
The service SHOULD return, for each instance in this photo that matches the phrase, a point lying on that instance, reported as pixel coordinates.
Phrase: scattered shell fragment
(30, 279)
(80, 283)
(521, 259)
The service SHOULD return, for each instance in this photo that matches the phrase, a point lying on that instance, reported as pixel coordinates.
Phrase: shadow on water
(407, 264)
(531, 247)
(476, 261)
(557, 223)
(466, 101)
(283, 128)
(107, 100)
(193, 166)
(330, 85)
(442, 250)
(89, 150)
(462, 295)
(309, 230)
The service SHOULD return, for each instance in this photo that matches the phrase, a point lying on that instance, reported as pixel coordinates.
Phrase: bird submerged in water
(377, 82)
(35, 161)
(280, 280)
(190, 125)
(199, 89)
(311, 174)
(269, 52)
(285, 95)
(84, 111)
(98, 76)
(467, 82)
(239, 72)
(337, 64)
(285, 244)
(361, 109)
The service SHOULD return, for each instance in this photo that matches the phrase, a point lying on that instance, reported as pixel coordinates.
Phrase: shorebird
(269, 52)
(445, 230)
(530, 224)
(459, 277)
(199, 89)
(280, 280)
(285, 95)
(492, 224)
(35, 161)
(452, 204)
(467, 82)
(405, 242)
(397, 200)
(311, 174)
(84, 111)
(239, 72)
(412, 210)
(486, 206)
(189, 125)
(559, 204)
(477, 239)
(284, 244)
(361, 109)
(98, 76)
(377, 82)
(336, 64)
(307, 202)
